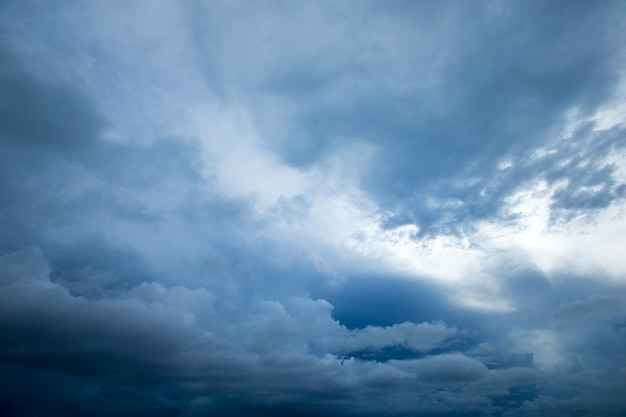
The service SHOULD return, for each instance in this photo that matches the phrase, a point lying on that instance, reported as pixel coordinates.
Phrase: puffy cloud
(444, 368)
(183, 342)
(153, 335)
(420, 338)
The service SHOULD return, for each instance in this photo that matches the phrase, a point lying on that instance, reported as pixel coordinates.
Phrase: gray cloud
(179, 343)
(442, 110)
(166, 173)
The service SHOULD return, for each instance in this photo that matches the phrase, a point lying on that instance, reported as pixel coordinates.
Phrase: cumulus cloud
(153, 335)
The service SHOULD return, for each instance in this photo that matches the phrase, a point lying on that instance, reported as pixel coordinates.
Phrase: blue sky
(337, 208)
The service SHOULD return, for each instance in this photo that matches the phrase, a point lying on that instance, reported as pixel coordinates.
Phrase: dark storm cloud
(146, 349)
(76, 334)
(147, 342)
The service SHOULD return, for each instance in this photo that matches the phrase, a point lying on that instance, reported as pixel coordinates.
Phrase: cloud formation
(330, 209)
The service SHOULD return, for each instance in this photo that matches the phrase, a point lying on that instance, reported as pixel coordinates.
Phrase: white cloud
(235, 155)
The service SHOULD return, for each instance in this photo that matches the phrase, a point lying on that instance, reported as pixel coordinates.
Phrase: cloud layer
(337, 209)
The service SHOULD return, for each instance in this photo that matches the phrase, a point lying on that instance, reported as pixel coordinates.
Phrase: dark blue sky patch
(386, 300)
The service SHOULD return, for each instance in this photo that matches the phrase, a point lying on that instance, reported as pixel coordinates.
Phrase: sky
(328, 208)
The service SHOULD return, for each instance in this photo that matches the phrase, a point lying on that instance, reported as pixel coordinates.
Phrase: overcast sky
(312, 208)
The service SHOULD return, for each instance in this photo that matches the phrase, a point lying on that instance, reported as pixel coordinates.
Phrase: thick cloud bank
(290, 209)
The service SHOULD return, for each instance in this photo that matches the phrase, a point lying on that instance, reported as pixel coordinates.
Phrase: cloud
(184, 341)
(326, 209)
(602, 320)
(406, 91)
(444, 368)
(150, 335)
